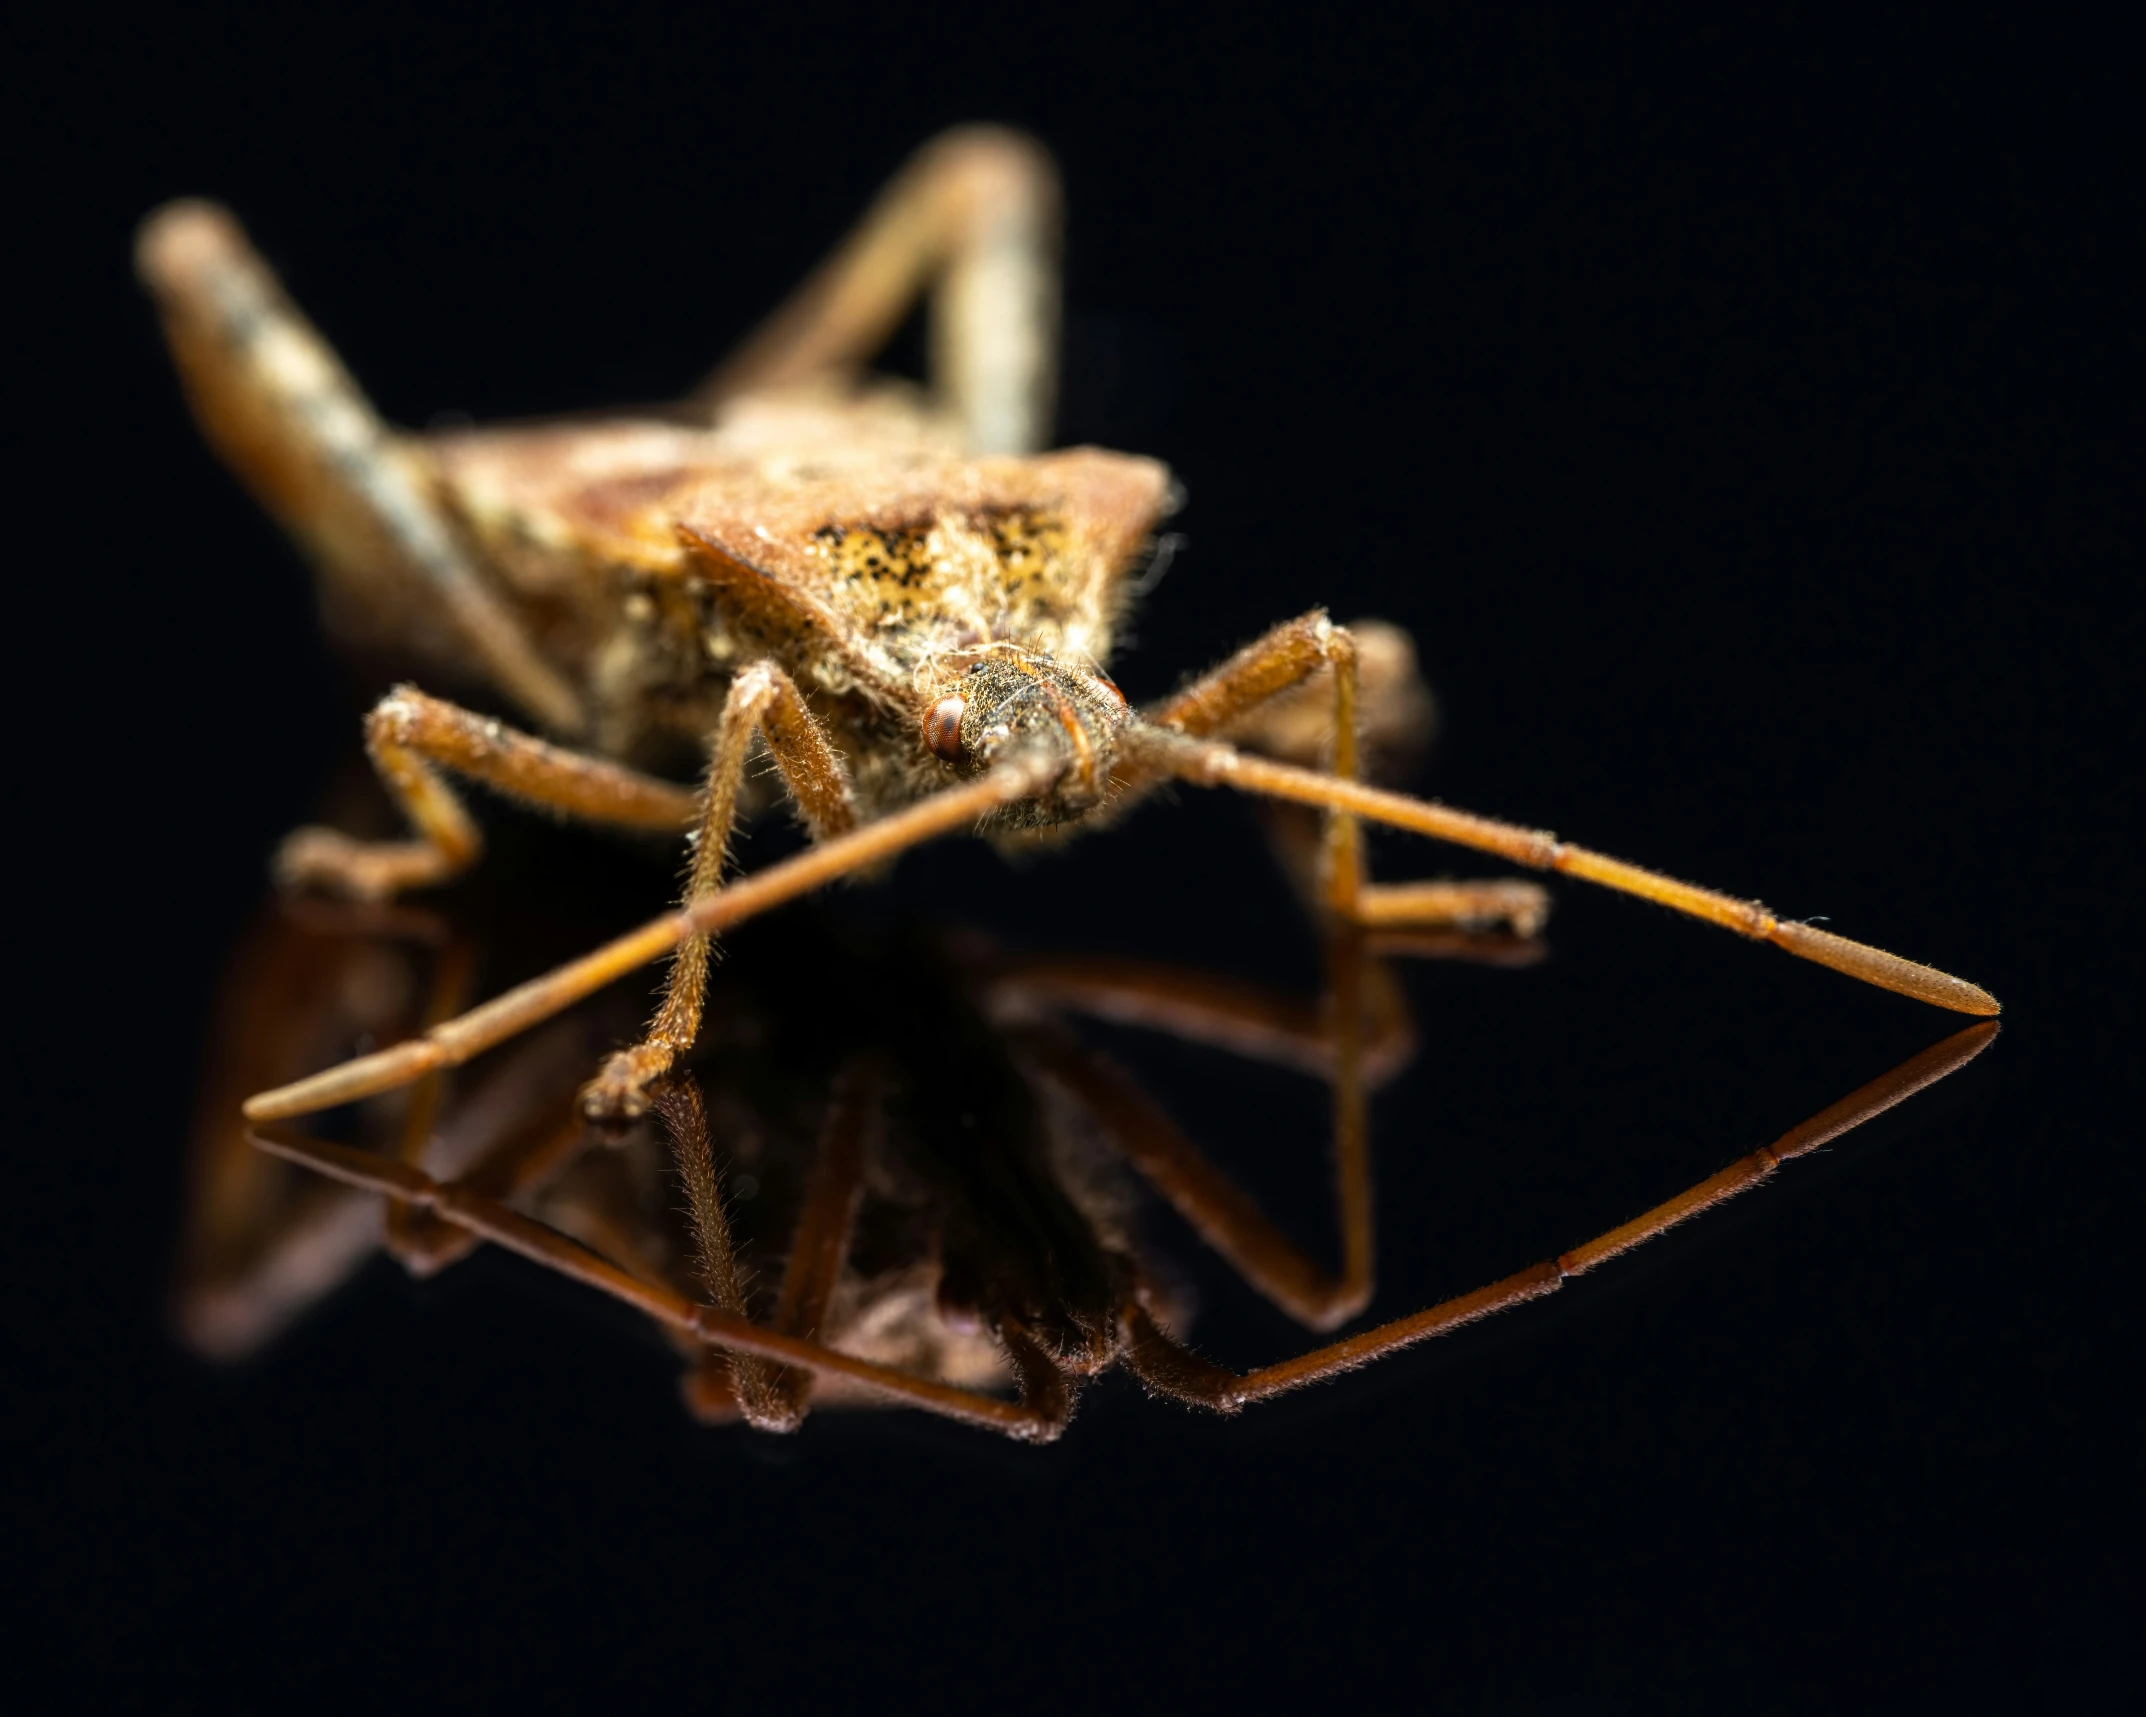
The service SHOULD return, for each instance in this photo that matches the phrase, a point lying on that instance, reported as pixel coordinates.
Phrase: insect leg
(1169, 1369)
(1276, 662)
(1299, 691)
(1343, 879)
(504, 1016)
(763, 700)
(410, 737)
(712, 1325)
(286, 416)
(974, 216)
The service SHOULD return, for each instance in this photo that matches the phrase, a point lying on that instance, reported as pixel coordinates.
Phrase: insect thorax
(654, 561)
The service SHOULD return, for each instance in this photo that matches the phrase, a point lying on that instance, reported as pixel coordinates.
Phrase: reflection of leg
(1199, 1007)
(1504, 901)
(523, 1163)
(820, 1246)
(1169, 1369)
(770, 1397)
(512, 1135)
(457, 1040)
(1359, 1037)
(274, 402)
(974, 217)
(1346, 964)
(406, 1232)
(262, 1243)
(411, 738)
(762, 701)
(677, 1099)
(713, 1325)
(1046, 1391)
(1216, 1208)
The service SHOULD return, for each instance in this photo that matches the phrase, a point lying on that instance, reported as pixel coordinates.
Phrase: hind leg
(272, 399)
(973, 218)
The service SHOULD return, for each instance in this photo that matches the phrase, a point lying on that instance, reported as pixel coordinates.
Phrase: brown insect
(894, 594)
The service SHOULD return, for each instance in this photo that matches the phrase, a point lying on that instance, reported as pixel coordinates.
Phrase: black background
(1746, 420)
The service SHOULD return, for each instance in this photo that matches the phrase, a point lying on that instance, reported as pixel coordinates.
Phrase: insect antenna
(455, 1041)
(1208, 763)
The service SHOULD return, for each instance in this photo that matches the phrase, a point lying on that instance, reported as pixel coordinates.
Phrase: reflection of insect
(912, 1206)
(897, 597)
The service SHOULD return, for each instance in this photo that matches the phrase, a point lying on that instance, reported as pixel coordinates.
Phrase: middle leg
(1269, 694)
(411, 738)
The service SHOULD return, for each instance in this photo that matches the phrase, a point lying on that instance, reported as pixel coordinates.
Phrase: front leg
(1311, 692)
(764, 700)
(411, 737)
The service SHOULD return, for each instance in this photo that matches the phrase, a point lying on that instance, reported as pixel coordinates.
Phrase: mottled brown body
(847, 540)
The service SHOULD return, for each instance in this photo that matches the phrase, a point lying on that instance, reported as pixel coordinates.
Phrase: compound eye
(1111, 686)
(942, 727)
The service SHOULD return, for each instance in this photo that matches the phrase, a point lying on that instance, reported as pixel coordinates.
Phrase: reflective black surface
(1748, 427)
